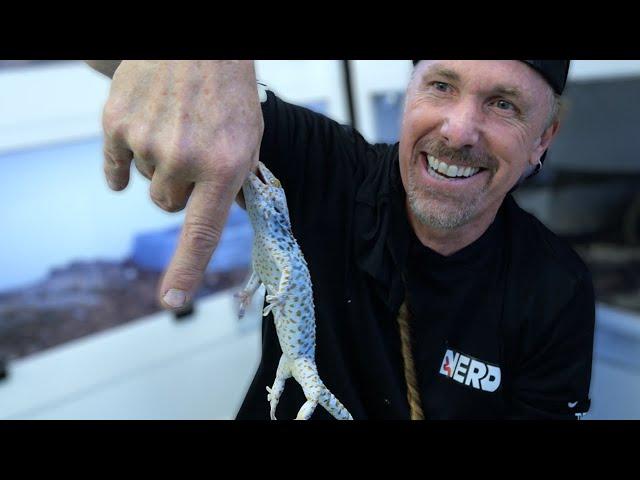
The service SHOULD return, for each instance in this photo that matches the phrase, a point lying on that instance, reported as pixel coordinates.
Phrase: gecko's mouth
(257, 180)
(266, 177)
(260, 176)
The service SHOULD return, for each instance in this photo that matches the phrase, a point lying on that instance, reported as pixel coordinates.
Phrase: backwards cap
(554, 72)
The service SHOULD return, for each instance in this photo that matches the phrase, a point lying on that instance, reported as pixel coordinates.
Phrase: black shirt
(501, 329)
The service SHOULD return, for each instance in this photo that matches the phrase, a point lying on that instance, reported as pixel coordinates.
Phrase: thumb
(205, 218)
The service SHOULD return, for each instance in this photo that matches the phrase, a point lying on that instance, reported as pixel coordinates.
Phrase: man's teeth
(450, 170)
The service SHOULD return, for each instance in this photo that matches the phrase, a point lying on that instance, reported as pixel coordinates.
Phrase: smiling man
(436, 296)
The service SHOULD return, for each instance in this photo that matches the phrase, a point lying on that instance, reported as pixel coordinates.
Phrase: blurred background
(81, 336)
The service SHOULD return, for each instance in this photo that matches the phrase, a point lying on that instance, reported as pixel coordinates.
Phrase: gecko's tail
(332, 405)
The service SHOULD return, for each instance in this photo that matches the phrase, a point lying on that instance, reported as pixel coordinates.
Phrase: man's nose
(461, 126)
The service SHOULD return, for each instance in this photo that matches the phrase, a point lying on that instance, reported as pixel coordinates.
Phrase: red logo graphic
(447, 368)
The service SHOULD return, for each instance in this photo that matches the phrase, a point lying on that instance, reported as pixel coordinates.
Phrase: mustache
(462, 157)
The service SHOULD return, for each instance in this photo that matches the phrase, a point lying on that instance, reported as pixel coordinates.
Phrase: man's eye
(441, 86)
(504, 105)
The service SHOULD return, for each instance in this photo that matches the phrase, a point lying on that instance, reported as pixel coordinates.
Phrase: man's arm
(553, 380)
(193, 128)
(105, 67)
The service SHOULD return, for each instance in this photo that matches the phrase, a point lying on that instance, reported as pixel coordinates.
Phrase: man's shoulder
(550, 299)
(299, 144)
(379, 175)
(545, 258)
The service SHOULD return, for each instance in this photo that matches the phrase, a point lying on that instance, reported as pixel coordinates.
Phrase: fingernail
(174, 298)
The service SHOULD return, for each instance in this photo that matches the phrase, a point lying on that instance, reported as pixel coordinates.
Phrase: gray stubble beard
(430, 212)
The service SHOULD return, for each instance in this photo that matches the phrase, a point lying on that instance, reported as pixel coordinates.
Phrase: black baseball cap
(554, 72)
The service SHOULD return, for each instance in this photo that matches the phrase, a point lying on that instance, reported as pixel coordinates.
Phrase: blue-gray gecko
(278, 263)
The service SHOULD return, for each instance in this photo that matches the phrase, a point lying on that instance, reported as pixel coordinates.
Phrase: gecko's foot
(245, 300)
(278, 299)
(273, 402)
(269, 394)
(275, 301)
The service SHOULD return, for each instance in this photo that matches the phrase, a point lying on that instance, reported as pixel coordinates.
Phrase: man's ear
(543, 142)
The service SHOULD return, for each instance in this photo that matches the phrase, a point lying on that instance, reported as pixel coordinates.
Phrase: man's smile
(439, 173)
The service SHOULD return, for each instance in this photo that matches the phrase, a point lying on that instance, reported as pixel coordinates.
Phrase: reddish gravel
(85, 298)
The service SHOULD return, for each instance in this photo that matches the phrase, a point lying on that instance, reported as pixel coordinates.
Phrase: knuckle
(187, 163)
(176, 160)
(146, 151)
(142, 142)
(112, 118)
(145, 170)
(182, 153)
(176, 204)
(227, 164)
(233, 154)
(201, 237)
(160, 200)
(174, 207)
(168, 205)
(112, 161)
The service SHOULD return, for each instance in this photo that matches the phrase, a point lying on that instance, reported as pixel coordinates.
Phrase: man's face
(470, 130)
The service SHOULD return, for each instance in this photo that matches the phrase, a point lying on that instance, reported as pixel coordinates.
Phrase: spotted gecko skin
(278, 263)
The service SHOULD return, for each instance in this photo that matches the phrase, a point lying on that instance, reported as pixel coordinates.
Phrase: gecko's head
(264, 196)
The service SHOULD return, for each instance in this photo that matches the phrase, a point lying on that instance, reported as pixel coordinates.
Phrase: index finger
(205, 218)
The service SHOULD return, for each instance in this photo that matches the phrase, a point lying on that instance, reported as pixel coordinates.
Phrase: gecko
(277, 262)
